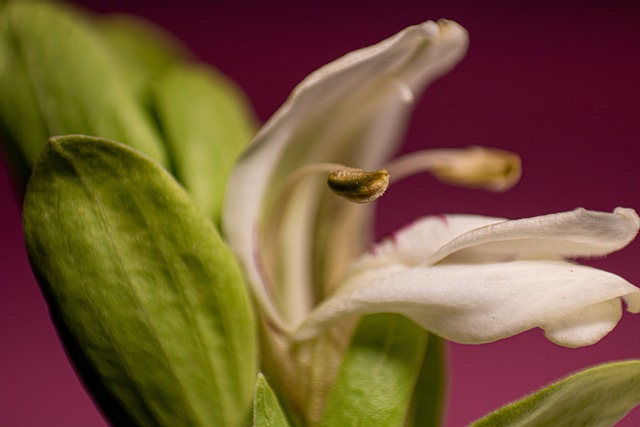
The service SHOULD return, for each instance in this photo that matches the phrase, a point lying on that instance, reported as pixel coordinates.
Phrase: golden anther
(358, 186)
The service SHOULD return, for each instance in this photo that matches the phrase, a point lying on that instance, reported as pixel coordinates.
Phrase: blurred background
(556, 82)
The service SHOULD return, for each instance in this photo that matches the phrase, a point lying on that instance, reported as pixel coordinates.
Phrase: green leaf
(266, 409)
(57, 78)
(428, 402)
(206, 122)
(20, 116)
(598, 396)
(376, 379)
(140, 50)
(147, 296)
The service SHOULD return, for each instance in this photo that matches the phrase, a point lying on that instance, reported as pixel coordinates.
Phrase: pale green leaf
(429, 395)
(376, 379)
(206, 123)
(266, 408)
(148, 298)
(596, 397)
(56, 78)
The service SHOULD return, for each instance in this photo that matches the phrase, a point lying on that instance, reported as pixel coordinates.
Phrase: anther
(358, 186)
(491, 169)
(480, 167)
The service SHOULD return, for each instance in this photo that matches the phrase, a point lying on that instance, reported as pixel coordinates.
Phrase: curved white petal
(486, 302)
(352, 111)
(585, 326)
(417, 243)
(579, 233)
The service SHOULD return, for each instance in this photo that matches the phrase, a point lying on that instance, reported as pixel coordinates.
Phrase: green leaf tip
(595, 397)
(147, 296)
(266, 408)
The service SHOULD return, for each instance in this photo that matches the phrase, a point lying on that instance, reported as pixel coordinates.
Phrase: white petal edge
(418, 242)
(585, 326)
(482, 303)
(578, 233)
(251, 179)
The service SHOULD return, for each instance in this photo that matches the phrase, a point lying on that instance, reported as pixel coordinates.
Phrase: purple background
(556, 83)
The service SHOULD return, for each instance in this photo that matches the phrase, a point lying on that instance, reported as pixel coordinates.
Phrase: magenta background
(556, 83)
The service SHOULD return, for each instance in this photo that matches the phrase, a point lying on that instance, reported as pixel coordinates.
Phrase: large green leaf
(428, 402)
(57, 78)
(599, 396)
(206, 122)
(147, 296)
(375, 383)
(266, 409)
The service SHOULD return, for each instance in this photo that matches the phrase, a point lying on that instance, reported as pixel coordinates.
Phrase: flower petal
(579, 233)
(486, 302)
(352, 111)
(418, 242)
(585, 326)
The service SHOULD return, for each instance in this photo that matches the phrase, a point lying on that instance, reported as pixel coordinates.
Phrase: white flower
(475, 279)
(467, 278)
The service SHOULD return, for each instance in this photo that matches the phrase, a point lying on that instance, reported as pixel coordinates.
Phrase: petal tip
(431, 29)
(630, 215)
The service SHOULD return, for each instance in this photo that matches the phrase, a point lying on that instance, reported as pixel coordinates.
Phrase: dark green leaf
(266, 409)
(376, 379)
(596, 397)
(206, 123)
(56, 78)
(146, 294)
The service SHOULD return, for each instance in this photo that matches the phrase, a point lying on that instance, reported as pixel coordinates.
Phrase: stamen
(479, 167)
(340, 175)
(296, 302)
(358, 186)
